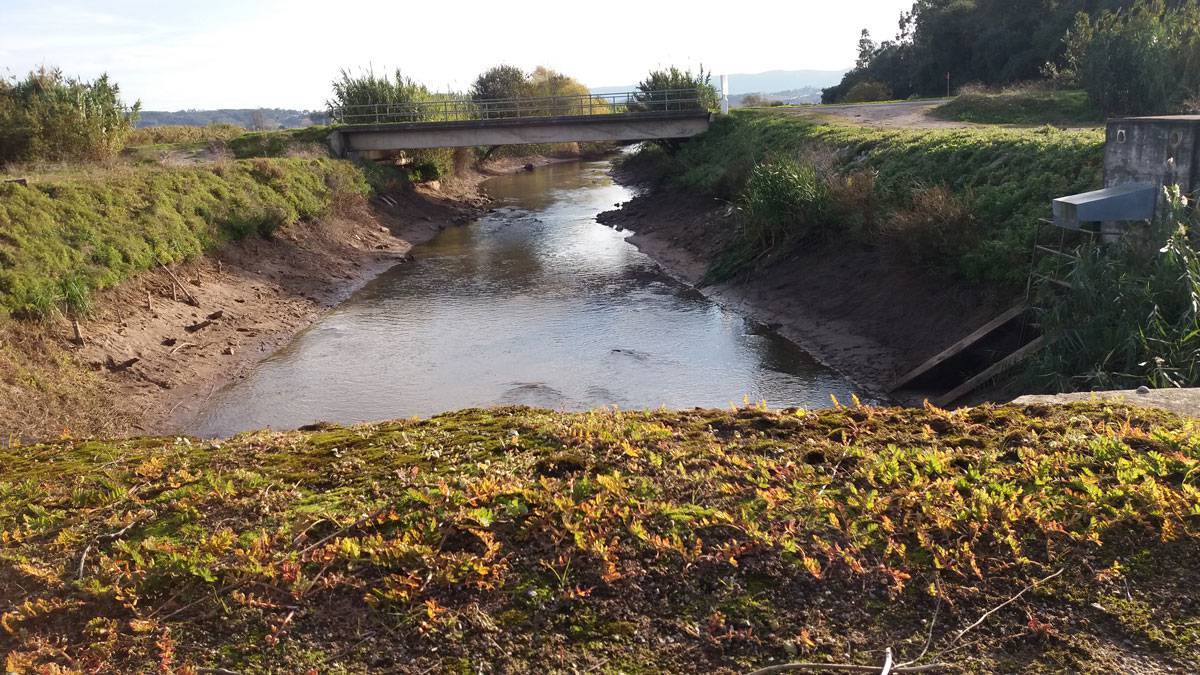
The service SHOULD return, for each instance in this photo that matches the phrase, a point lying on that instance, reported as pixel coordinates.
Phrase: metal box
(1130, 201)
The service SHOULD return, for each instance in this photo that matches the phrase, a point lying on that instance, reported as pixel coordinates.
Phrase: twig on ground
(104, 537)
(1005, 604)
(887, 662)
(846, 668)
(190, 297)
(937, 584)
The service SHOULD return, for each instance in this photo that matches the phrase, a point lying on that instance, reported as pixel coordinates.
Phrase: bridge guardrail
(464, 109)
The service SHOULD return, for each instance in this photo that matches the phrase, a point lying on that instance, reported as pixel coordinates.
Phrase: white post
(724, 94)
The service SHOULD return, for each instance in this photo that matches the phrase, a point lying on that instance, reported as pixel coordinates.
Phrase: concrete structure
(1159, 150)
(1183, 402)
(369, 139)
(1141, 156)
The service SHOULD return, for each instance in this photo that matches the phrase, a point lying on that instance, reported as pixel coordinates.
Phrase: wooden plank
(994, 370)
(959, 346)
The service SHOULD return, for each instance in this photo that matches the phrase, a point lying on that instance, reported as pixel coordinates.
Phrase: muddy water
(534, 304)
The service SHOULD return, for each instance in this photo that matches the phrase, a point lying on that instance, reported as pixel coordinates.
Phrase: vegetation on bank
(963, 201)
(1022, 105)
(69, 233)
(179, 133)
(49, 116)
(635, 542)
(1131, 316)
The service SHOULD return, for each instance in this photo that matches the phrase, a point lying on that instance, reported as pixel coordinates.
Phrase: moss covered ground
(521, 540)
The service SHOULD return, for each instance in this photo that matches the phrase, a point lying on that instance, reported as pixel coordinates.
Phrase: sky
(182, 54)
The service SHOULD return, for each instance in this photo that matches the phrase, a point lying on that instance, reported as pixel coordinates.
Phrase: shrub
(933, 231)
(400, 94)
(1007, 177)
(496, 86)
(871, 90)
(1021, 105)
(784, 202)
(1142, 60)
(48, 116)
(854, 203)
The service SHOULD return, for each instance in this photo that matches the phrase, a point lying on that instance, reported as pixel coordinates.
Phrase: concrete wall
(413, 136)
(1161, 150)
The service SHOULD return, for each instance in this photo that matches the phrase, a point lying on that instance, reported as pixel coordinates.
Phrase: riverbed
(533, 304)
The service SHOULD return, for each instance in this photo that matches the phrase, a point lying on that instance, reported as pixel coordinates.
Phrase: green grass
(88, 228)
(279, 143)
(1005, 177)
(1026, 107)
(525, 540)
(179, 133)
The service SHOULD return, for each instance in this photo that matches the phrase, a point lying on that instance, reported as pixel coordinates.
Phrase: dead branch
(1005, 604)
(937, 583)
(847, 668)
(179, 283)
(104, 537)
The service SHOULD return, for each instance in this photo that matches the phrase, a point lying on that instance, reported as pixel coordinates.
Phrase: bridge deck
(627, 126)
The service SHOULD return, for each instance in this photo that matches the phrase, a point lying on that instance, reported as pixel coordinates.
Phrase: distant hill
(754, 83)
(788, 97)
(271, 118)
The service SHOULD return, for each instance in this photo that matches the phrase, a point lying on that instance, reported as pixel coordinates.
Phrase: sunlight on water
(535, 304)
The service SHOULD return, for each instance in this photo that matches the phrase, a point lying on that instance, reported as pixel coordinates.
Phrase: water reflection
(535, 304)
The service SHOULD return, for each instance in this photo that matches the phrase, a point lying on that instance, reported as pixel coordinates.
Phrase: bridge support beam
(519, 131)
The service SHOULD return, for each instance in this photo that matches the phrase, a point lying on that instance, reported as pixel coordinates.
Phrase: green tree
(496, 84)
(48, 116)
(990, 42)
(656, 91)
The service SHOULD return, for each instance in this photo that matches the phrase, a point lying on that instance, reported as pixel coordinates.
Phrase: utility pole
(947, 84)
(724, 94)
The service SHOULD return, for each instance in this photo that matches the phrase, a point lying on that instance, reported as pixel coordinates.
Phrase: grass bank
(1023, 106)
(71, 232)
(962, 201)
(520, 539)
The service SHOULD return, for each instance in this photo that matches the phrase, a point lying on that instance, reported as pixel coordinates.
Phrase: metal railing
(462, 109)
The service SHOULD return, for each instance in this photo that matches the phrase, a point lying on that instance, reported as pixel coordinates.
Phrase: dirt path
(903, 114)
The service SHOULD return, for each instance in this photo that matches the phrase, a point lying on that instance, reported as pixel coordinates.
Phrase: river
(533, 304)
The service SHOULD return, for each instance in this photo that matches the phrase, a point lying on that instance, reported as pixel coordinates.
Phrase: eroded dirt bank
(850, 307)
(151, 358)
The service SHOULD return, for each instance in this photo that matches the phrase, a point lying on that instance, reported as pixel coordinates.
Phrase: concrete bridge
(372, 129)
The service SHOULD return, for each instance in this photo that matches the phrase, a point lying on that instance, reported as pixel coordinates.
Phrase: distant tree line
(248, 118)
(1140, 56)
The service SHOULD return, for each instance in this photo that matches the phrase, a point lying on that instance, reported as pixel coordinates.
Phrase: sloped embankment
(993, 539)
(919, 237)
(258, 248)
